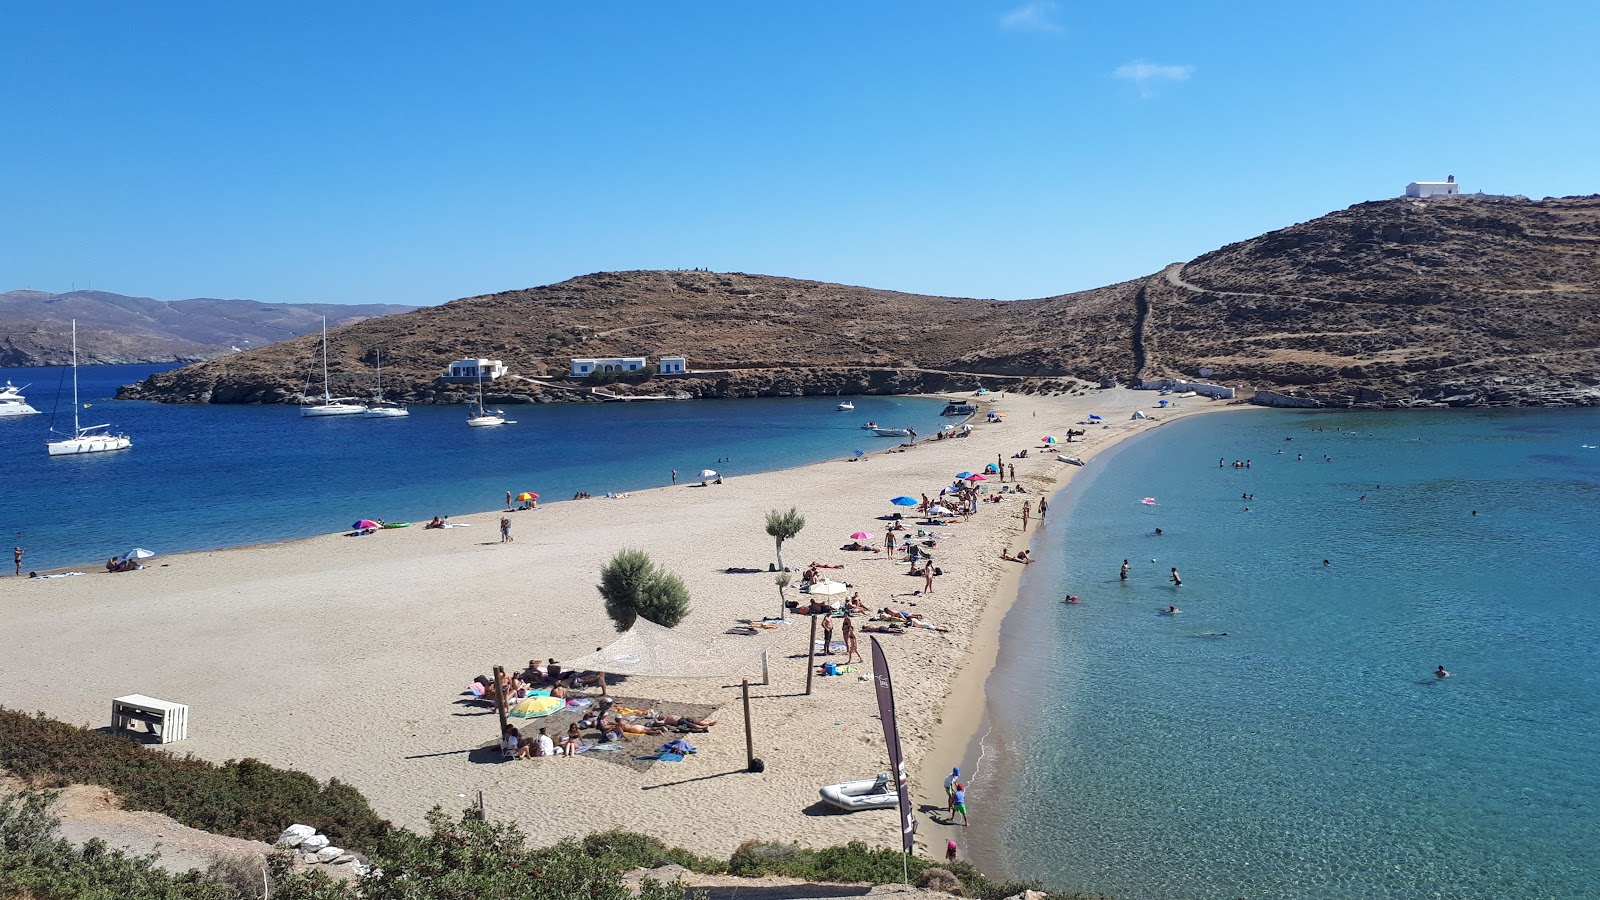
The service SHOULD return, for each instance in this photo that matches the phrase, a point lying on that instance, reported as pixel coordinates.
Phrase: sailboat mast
(327, 395)
(76, 429)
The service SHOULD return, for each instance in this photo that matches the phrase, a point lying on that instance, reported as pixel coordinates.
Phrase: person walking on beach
(1177, 581)
(505, 530)
(958, 804)
(950, 788)
(16, 554)
(1124, 574)
(852, 653)
(927, 576)
(827, 634)
(1027, 507)
(1044, 509)
(674, 476)
(1013, 473)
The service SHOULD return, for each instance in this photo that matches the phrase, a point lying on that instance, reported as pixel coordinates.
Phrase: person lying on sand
(883, 629)
(685, 723)
(436, 523)
(635, 728)
(817, 565)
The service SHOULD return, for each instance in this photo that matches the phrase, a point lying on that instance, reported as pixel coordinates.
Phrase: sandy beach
(348, 657)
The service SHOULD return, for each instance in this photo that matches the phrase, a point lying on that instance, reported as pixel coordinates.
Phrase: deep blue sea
(203, 476)
(1310, 752)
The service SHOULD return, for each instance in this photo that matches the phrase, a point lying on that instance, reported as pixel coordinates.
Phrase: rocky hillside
(35, 326)
(1465, 301)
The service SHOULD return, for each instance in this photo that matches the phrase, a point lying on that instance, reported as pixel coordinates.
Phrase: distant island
(1441, 301)
(115, 329)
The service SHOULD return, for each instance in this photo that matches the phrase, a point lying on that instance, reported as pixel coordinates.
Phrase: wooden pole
(500, 701)
(749, 738)
(811, 655)
(766, 677)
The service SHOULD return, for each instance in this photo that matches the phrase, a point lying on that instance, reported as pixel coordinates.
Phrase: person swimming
(1171, 611)
(1440, 673)
(1071, 599)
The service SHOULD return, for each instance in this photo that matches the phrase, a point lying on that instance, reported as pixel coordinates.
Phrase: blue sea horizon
(202, 476)
(1284, 734)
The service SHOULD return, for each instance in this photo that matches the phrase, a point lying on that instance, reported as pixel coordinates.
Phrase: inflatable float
(1069, 459)
(869, 793)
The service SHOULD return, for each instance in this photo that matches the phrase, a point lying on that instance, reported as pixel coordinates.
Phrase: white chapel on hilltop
(1445, 188)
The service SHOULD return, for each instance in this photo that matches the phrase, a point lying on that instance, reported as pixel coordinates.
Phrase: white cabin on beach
(673, 365)
(463, 370)
(1425, 189)
(619, 364)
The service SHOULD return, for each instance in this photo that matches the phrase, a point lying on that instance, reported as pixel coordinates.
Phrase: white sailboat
(12, 403)
(93, 439)
(381, 408)
(479, 416)
(331, 405)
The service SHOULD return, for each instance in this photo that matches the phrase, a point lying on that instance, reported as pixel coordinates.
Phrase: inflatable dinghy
(1069, 459)
(869, 793)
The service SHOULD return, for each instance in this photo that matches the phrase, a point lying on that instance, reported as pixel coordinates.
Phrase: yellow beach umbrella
(534, 707)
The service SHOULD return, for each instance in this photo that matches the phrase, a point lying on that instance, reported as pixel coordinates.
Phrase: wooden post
(500, 702)
(766, 677)
(811, 655)
(1000, 463)
(749, 739)
(481, 813)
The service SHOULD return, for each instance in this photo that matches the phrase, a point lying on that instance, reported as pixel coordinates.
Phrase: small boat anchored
(845, 406)
(868, 793)
(91, 439)
(959, 409)
(381, 408)
(480, 416)
(331, 405)
(871, 426)
(892, 432)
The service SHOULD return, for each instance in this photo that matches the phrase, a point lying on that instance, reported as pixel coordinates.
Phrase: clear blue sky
(416, 152)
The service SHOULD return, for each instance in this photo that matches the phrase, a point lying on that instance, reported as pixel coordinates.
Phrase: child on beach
(950, 851)
(959, 804)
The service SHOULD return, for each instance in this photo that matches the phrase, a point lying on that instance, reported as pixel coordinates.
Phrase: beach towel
(679, 746)
(669, 757)
(61, 575)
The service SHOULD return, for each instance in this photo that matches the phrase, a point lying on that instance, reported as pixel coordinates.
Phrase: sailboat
(331, 405)
(480, 417)
(93, 439)
(381, 408)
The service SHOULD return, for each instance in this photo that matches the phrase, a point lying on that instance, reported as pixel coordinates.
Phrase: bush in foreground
(240, 798)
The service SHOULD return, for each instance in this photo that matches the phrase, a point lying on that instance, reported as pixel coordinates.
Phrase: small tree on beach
(782, 580)
(633, 587)
(783, 526)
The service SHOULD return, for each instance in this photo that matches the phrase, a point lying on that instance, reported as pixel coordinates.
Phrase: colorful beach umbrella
(861, 536)
(534, 707)
(904, 501)
(1048, 439)
(976, 478)
(527, 495)
(362, 524)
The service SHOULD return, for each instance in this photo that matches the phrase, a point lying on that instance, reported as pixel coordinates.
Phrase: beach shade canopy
(904, 501)
(708, 473)
(527, 495)
(976, 478)
(138, 553)
(963, 474)
(362, 524)
(647, 649)
(534, 707)
(861, 536)
(827, 588)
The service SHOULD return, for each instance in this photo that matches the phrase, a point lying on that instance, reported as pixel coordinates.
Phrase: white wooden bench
(167, 721)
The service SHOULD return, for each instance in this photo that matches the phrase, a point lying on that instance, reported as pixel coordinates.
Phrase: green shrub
(626, 850)
(241, 798)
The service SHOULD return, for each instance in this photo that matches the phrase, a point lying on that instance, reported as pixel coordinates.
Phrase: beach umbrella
(937, 510)
(1095, 418)
(534, 707)
(904, 501)
(963, 474)
(1048, 439)
(861, 536)
(362, 524)
(138, 553)
(828, 588)
(859, 452)
(708, 473)
(527, 495)
(976, 478)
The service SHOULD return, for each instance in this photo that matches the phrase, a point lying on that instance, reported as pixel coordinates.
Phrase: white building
(1424, 189)
(474, 369)
(673, 365)
(619, 364)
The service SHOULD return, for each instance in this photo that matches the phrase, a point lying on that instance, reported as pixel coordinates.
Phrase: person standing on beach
(958, 804)
(1027, 507)
(927, 576)
(852, 653)
(505, 530)
(1124, 574)
(950, 788)
(1177, 581)
(1013, 473)
(827, 635)
(16, 554)
(508, 501)
(674, 476)
(1044, 509)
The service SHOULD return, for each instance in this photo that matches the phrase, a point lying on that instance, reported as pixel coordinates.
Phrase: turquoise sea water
(1310, 753)
(202, 476)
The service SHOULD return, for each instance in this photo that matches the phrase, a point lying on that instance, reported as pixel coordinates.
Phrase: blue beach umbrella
(904, 501)
(859, 452)
(963, 474)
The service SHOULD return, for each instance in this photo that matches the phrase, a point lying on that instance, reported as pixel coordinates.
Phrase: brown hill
(1467, 300)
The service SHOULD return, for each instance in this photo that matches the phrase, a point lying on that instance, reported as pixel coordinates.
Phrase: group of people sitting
(1023, 557)
(438, 522)
(622, 724)
(118, 564)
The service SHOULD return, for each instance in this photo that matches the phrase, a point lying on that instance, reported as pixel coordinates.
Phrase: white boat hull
(387, 412)
(333, 409)
(485, 421)
(892, 432)
(96, 444)
(16, 409)
(843, 407)
(855, 795)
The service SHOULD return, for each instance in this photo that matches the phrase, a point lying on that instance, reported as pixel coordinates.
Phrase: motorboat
(871, 426)
(845, 406)
(381, 408)
(959, 409)
(91, 439)
(331, 405)
(892, 432)
(868, 793)
(12, 403)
